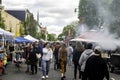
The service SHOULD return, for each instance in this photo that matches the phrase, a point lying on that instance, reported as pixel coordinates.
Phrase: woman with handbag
(46, 59)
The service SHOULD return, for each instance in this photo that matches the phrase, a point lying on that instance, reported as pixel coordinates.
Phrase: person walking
(70, 54)
(84, 56)
(11, 49)
(27, 51)
(40, 48)
(55, 52)
(62, 56)
(33, 59)
(96, 67)
(76, 55)
(46, 59)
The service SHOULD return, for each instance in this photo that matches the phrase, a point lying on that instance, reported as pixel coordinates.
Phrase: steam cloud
(104, 38)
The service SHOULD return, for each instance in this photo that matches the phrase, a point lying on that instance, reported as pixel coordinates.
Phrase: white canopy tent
(31, 38)
(2, 31)
(8, 36)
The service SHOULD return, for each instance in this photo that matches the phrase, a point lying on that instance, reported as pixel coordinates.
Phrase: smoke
(106, 40)
(104, 13)
(103, 37)
(81, 28)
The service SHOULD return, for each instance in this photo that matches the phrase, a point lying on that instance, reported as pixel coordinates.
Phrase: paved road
(13, 74)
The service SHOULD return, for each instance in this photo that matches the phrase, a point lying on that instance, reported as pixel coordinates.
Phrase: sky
(54, 14)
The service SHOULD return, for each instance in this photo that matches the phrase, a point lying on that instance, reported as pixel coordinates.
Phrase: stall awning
(21, 39)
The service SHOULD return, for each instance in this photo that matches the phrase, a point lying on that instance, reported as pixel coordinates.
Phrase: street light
(76, 10)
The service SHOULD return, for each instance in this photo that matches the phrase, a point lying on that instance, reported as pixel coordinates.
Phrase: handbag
(38, 56)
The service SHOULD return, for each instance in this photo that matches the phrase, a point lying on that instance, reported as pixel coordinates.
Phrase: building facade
(12, 24)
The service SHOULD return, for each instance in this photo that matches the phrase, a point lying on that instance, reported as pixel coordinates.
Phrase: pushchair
(18, 60)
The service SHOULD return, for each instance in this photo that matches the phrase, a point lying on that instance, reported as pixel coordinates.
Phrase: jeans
(45, 67)
(70, 59)
(40, 61)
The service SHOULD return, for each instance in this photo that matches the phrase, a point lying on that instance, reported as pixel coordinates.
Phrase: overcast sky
(54, 14)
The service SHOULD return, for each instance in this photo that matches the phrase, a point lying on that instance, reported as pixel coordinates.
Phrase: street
(14, 74)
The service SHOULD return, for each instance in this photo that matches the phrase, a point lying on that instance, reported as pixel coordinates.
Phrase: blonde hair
(79, 46)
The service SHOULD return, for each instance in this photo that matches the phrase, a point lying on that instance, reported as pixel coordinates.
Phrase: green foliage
(67, 28)
(88, 11)
(25, 28)
(2, 25)
(115, 25)
(22, 29)
(51, 37)
(61, 37)
(38, 36)
(43, 36)
(31, 26)
(99, 12)
(65, 31)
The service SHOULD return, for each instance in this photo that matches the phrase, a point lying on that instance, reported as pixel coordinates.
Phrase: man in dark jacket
(76, 55)
(96, 68)
(55, 52)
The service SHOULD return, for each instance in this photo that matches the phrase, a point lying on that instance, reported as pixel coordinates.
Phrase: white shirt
(47, 54)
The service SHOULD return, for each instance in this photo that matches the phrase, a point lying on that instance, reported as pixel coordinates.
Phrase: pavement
(14, 74)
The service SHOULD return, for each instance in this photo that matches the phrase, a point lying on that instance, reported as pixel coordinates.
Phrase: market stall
(20, 39)
(29, 37)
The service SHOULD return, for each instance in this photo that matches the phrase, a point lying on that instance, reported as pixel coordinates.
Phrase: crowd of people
(87, 60)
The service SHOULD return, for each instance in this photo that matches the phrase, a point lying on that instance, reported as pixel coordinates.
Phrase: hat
(97, 48)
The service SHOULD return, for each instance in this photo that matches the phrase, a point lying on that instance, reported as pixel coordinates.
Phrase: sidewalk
(14, 74)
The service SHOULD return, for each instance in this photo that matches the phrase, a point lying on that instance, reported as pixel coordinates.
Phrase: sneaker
(43, 77)
(39, 67)
(47, 76)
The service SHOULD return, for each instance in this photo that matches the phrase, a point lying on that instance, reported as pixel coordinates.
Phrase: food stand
(114, 62)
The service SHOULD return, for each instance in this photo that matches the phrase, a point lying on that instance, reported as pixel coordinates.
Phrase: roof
(19, 14)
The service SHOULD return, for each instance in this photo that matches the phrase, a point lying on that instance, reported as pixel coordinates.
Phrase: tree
(98, 13)
(61, 37)
(43, 36)
(22, 31)
(68, 31)
(51, 37)
(115, 25)
(31, 26)
(87, 11)
(2, 25)
(94, 12)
